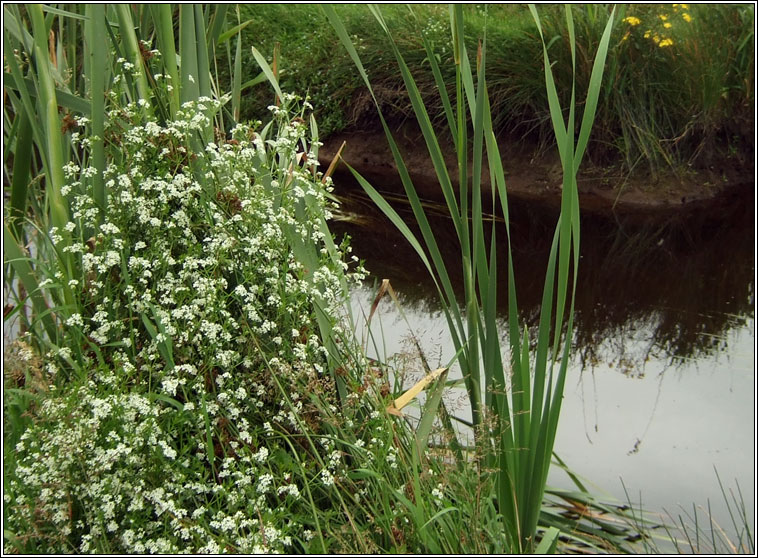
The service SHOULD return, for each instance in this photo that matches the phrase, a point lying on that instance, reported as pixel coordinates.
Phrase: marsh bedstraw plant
(190, 313)
(164, 264)
(188, 405)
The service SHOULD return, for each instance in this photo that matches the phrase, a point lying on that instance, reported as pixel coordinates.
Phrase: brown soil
(538, 178)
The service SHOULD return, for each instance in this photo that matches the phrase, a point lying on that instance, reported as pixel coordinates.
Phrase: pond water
(661, 387)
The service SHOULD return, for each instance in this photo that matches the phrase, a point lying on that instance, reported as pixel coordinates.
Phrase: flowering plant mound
(195, 348)
(660, 25)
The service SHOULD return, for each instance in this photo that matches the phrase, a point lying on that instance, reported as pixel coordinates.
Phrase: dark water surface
(661, 388)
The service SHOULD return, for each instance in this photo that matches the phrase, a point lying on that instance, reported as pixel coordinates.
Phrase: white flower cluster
(108, 466)
(200, 288)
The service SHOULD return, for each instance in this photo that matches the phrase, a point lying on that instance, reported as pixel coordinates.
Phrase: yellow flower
(663, 17)
(685, 6)
(667, 25)
(656, 39)
(665, 43)
(687, 17)
(631, 20)
(647, 34)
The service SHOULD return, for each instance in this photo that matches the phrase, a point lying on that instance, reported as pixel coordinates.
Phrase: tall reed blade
(190, 90)
(22, 164)
(94, 28)
(164, 30)
(527, 416)
(132, 52)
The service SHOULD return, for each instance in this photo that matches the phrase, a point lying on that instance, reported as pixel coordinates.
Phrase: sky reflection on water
(661, 388)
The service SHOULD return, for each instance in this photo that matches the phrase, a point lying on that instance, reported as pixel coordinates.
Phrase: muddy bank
(538, 177)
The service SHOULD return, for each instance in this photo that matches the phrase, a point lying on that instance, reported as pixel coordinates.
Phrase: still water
(661, 387)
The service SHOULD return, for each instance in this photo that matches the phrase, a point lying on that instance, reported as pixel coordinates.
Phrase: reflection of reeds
(685, 279)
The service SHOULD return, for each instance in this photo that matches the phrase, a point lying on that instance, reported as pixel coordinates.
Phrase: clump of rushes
(515, 403)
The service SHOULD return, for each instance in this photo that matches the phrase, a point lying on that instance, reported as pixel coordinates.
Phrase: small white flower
(75, 321)
(262, 455)
(327, 478)
(264, 483)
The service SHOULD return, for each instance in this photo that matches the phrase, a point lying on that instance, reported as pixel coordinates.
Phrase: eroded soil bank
(538, 177)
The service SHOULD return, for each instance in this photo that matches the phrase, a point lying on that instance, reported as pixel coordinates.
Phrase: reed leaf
(22, 165)
(190, 88)
(549, 541)
(237, 73)
(48, 105)
(202, 45)
(528, 417)
(94, 29)
(236, 30)
(216, 34)
(66, 100)
(164, 30)
(130, 44)
(57, 11)
(442, 88)
(268, 72)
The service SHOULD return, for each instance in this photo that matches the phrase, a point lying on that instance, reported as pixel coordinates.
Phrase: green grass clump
(685, 99)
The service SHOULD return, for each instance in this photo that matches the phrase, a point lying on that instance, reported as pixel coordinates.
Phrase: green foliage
(185, 378)
(660, 106)
(180, 364)
(516, 405)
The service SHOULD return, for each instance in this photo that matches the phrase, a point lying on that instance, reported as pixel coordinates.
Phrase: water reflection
(669, 286)
(660, 388)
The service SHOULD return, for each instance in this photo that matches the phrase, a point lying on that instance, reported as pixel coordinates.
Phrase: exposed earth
(538, 178)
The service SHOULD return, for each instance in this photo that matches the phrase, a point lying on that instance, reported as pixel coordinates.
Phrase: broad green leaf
(236, 30)
(549, 542)
(268, 72)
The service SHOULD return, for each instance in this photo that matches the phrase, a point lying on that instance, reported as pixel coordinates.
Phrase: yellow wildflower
(631, 20)
(665, 43)
(685, 6)
(663, 17)
(687, 17)
(667, 25)
(656, 39)
(647, 34)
